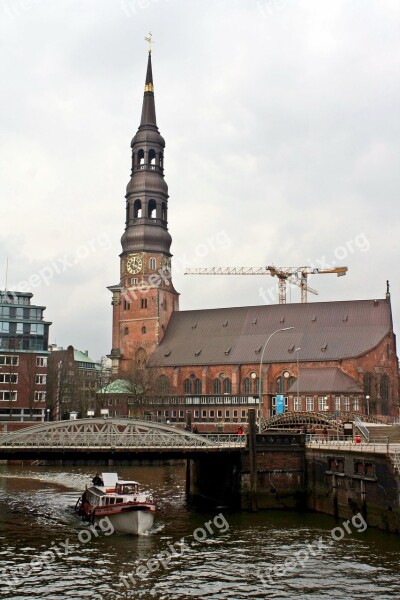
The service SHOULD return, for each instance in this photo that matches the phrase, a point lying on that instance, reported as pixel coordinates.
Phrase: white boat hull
(135, 522)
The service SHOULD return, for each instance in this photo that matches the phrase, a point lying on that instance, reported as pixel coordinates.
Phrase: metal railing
(112, 440)
(395, 458)
(337, 442)
(361, 427)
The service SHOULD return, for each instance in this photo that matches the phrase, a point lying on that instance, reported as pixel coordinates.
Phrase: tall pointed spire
(149, 107)
(146, 227)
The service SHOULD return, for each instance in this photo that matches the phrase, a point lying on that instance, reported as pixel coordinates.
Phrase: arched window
(126, 331)
(137, 209)
(217, 386)
(163, 211)
(279, 385)
(291, 381)
(141, 158)
(247, 386)
(227, 386)
(152, 263)
(140, 357)
(256, 388)
(197, 386)
(163, 384)
(152, 158)
(187, 386)
(384, 392)
(368, 384)
(152, 209)
(143, 329)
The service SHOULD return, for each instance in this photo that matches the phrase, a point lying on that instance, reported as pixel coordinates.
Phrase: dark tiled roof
(327, 379)
(323, 330)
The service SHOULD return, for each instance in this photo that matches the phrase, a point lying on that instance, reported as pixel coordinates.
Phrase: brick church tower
(145, 298)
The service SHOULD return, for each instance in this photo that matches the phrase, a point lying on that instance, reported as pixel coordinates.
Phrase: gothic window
(217, 386)
(137, 209)
(141, 158)
(127, 305)
(152, 158)
(197, 386)
(227, 386)
(163, 384)
(143, 329)
(152, 209)
(384, 392)
(291, 381)
(187, 385)
(143, 303)
(140, 357)
(247, 386)
(126, 331)
(368, 384)
(384, 387)
(256, 388)
(279, 385)
(152, 263)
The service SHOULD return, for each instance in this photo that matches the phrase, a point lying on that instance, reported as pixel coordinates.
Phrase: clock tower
(145, 298)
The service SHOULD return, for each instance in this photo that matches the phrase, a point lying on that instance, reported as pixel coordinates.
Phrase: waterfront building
(337, 357)
(24, 336)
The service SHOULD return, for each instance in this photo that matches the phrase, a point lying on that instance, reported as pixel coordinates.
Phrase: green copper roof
(84, 358)
(119, 386)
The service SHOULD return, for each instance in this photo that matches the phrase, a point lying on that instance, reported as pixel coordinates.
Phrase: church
(331, 357)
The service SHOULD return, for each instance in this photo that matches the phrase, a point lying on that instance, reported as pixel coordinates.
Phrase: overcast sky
(281, 120)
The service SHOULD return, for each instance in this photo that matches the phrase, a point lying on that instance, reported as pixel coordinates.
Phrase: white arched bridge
(115, 436)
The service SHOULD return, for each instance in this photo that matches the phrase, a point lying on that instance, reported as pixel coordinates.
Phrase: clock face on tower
(134, 263)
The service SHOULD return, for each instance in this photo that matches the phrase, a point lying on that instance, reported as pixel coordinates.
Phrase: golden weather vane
(149, 40)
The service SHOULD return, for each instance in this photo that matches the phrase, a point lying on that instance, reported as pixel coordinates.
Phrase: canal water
(192, 552)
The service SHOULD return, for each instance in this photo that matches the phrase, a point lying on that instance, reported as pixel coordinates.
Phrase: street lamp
(259, 378)
(48, 414)
(367, 399)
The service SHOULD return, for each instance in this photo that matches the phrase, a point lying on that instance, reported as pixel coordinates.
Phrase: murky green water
(47, 552)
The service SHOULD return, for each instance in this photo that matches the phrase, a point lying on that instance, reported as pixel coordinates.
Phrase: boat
(127, 508)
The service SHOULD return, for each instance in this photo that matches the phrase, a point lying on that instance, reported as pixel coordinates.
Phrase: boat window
(118, 500)
(130, 489)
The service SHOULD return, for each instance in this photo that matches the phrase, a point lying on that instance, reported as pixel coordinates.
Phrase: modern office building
(24, 336)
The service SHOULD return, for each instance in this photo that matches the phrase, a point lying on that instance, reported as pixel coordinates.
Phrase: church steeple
(149, 107)
(145, 298)
(147, 192)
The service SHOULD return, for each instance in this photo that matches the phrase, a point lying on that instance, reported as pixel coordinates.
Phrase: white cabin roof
(109, 479)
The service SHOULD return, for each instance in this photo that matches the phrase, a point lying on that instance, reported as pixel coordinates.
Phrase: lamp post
(259, 377)
(367, 399)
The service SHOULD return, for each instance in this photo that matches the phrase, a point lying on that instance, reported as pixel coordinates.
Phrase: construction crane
(292, 275)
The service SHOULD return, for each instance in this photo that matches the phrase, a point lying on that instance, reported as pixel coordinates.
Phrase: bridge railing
(227, 439)
(378, 444)
(55, 439)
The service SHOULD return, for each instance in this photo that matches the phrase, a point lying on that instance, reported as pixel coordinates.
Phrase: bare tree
(141, 385)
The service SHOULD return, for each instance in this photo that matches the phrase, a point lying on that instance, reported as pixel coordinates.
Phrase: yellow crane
(293, 275)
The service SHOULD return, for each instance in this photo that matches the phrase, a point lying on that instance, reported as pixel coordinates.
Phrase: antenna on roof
(387, 289)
